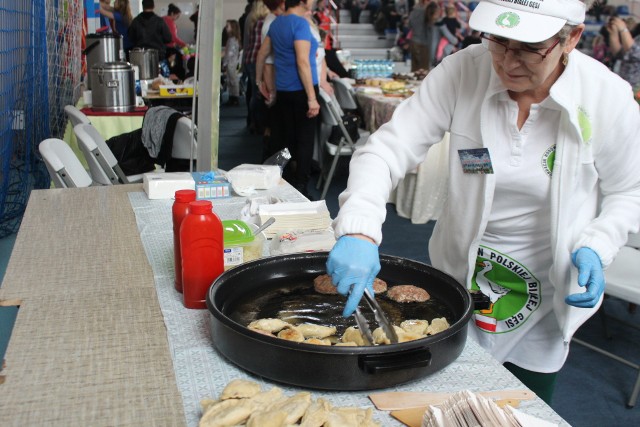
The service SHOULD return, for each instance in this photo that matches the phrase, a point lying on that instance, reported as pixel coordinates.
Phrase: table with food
(116, 344)
(379, 97)
(420, 195)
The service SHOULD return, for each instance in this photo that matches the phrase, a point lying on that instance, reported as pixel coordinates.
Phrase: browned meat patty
(379, 286)
(323, 285)
(408, 293)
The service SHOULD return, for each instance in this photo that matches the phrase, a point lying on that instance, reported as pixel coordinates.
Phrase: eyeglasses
(529, 56)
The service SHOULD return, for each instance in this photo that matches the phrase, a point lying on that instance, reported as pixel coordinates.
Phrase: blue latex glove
(590, 275)
(353, 264)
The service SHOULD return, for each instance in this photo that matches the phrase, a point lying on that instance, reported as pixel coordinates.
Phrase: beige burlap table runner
(89, 347)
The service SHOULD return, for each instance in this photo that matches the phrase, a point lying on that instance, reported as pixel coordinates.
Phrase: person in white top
(276, 8)
(543, 186)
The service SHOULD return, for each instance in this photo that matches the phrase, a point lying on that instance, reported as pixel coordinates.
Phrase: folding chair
(184, 143)
(345, 94)
(102, 163)
(623, 282)
(63, 165)
(331, 117)
(76, 116)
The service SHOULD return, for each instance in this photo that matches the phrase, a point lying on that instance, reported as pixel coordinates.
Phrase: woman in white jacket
(543, 185)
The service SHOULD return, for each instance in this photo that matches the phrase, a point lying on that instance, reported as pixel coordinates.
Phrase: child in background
(403, 37)
(599, 49)
(230, 60)
(172, 67)
(453, 24)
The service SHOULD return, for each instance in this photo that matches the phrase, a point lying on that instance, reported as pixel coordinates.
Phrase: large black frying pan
(283, 286)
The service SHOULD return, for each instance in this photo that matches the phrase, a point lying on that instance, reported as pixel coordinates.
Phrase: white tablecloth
(201, 372)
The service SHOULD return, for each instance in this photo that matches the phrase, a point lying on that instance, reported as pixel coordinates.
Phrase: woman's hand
(590, 276)
(326, 86)
(353, 264)
(314, 108)
(618, 41)
(616, 25)
(264, 90)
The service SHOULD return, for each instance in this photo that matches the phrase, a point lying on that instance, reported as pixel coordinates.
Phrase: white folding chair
(76, 116)
(331, 117)
(63, 165)
(623, 282)
(182, 140)
(102, 163)
(345, 94)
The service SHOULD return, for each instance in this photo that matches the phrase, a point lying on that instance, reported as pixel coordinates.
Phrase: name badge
(476, 160)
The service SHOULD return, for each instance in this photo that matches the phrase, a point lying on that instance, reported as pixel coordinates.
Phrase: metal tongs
(381, 318)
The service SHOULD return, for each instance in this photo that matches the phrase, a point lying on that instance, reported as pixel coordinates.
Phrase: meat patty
(408, 293)
(323, 285)
(379, 286)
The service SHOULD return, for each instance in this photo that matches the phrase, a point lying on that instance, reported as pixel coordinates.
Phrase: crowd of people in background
(149, 31)
(280, 71)
(617, 46)
(425, 32)
(285, 66)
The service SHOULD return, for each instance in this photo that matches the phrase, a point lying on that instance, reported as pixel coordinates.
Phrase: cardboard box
(211, 185)
(177, 90)
(163, 185)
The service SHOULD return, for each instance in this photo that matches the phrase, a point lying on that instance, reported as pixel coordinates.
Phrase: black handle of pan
(397, 361)
(480, 300)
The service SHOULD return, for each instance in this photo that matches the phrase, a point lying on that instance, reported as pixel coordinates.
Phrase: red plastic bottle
(179, 210)
(202, 247)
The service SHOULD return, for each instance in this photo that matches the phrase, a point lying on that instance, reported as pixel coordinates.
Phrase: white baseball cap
(528, 21)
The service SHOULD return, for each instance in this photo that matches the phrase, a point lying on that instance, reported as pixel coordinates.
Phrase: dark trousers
(292, 129)
(248, 93)
(541, 384)
(355, 13)
(256, 106)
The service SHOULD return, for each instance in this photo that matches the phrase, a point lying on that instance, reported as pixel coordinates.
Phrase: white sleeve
(396, 148)
(265, 31)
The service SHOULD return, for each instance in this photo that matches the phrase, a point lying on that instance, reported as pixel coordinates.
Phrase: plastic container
(179, 211)
(201, 246)
(240, 245)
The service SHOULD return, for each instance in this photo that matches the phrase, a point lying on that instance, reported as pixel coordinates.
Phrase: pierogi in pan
(297, 314)
(409, 330)
(291, 333)
(268, 325)
(309, 330)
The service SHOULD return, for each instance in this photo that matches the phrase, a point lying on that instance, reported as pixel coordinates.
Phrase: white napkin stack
(303, 241)
(467, 409)
(295, 217)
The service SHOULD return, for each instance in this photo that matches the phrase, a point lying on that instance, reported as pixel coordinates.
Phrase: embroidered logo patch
(547, 160)
(514, 292)
(507, 20)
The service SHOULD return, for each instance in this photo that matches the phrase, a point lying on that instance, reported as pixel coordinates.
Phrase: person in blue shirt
(120, 13)
(296, 106)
